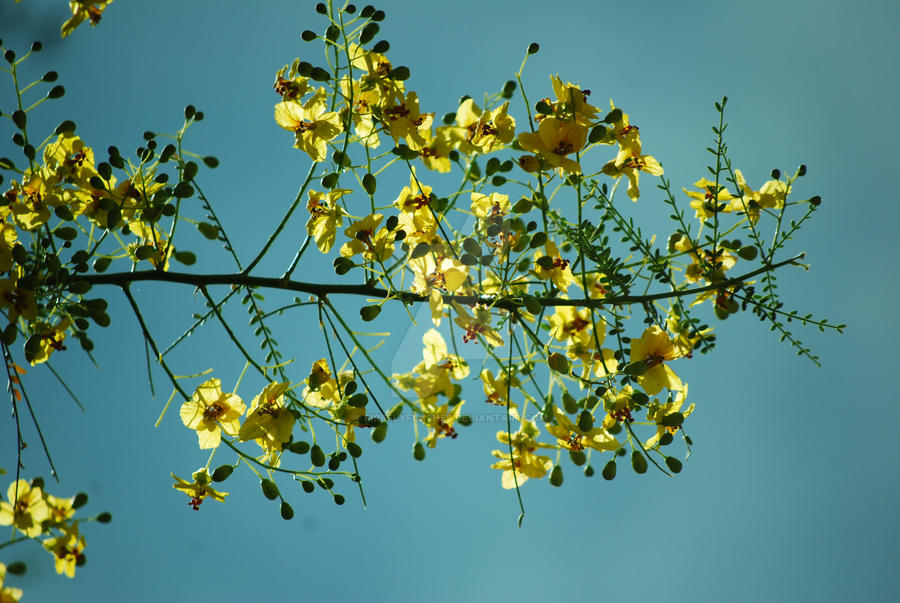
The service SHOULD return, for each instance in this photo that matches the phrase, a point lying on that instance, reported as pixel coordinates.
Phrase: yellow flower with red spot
(25, 510)
(312, 124)
(523, 463)
(571, 437)
(211, 412)
(68, 550)
(325, 216)
(654, 349)
(269, 421)
(657, 412)
(199, 489)
(366, 238)
(90, 10)
(555, 140)
(51, 341)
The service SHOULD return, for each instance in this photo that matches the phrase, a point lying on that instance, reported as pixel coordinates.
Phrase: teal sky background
(791, 492)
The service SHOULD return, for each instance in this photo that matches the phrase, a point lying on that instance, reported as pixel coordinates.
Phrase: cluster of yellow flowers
(69, 185)
(492, 262)
(34, 513)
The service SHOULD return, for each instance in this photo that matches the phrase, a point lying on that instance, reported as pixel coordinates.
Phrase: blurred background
(791, 492)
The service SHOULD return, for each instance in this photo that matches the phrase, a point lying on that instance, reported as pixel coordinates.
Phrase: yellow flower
(571, 102)
(435, 153)
(498, 390)
(366, 238)
(26, 510)
(81, 10)
(269, 421)
(653, 348)
(490, 207)
(631, 166)
(403, 120)
(210, 412)
(68, 550)
(554, 140)
(51, 340)
(657, 412)
(323, 391)
(480, 324)
(685, 337)
(571, 437)
(8, 239)
(152, 239)
(549, 265)
(31, 201)
(432, 376)
(483, 132)
(420, 227)
(361, 109)
(439, 421)
(16, 300)
(311, 124)
(60, 509)
(772, 195)
(198, 489)
(8, 594)
(326, 216)
(523, 463)
(69, 160)
(415, 198)
(707, 203)
(434, 273)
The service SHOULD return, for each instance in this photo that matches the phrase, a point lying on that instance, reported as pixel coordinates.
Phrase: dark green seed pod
(556, 476)
(380, 432)
(287, 512)
(354, 449)
(419, 451)
(104, 517)
(673, 464)
(638, 462)
(317, 456)
(269, 489)
(222, 473)
(609, 471)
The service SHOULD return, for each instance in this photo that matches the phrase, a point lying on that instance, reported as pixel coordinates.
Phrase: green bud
(556, 476)
(299, 447)
(222, 473)
(80, 500)
(358, 400)
(369, 313)
(609, 471)
(287, 512)
(638, 462)
(558, 363)
(532, 304)
(317, 456)
(17, 568)
(269, 489)
(533, 48)
(354, 449)
(578, 457)
(635, 368)
(673, 464)
(380, 432)
(585, 421)
(419, 451)
(104, 517)
(665, 439)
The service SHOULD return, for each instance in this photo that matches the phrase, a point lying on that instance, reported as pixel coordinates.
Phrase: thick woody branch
(123, 279)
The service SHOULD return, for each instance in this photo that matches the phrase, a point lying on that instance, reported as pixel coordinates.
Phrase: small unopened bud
(530, 163)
